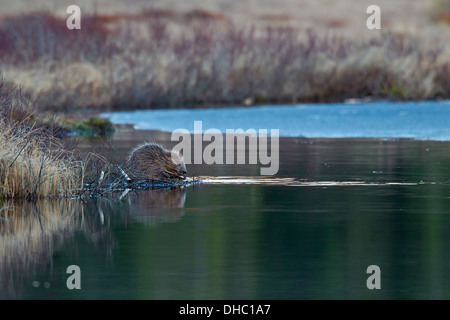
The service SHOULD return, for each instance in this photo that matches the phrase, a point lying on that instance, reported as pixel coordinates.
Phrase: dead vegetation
(158, 58)
(34, 164)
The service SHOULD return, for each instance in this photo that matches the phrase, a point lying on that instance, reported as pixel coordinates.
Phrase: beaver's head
(175, 167)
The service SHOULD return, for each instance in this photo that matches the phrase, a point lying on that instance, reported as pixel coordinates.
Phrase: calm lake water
(311, 238)
(418, 120)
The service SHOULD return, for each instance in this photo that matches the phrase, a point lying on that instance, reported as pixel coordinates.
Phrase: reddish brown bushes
(29, 38)
(156, 58)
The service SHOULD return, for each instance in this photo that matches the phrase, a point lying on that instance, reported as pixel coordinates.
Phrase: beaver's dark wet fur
(152, 162)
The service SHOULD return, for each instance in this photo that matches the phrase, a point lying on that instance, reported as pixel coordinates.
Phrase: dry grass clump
(162, 58)
(34, 163)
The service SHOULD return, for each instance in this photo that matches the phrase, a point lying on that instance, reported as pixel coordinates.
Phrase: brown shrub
(124, 62)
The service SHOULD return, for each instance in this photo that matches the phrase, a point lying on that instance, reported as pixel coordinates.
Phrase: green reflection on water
(256, 241)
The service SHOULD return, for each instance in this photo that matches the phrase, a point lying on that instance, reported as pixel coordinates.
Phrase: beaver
(150, 161)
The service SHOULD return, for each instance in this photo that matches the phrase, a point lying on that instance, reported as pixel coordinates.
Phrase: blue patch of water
(383, 119)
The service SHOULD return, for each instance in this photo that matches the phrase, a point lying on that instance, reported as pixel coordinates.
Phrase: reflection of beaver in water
(151, 161)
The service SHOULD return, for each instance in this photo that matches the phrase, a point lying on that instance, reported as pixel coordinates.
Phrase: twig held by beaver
(152, 162)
